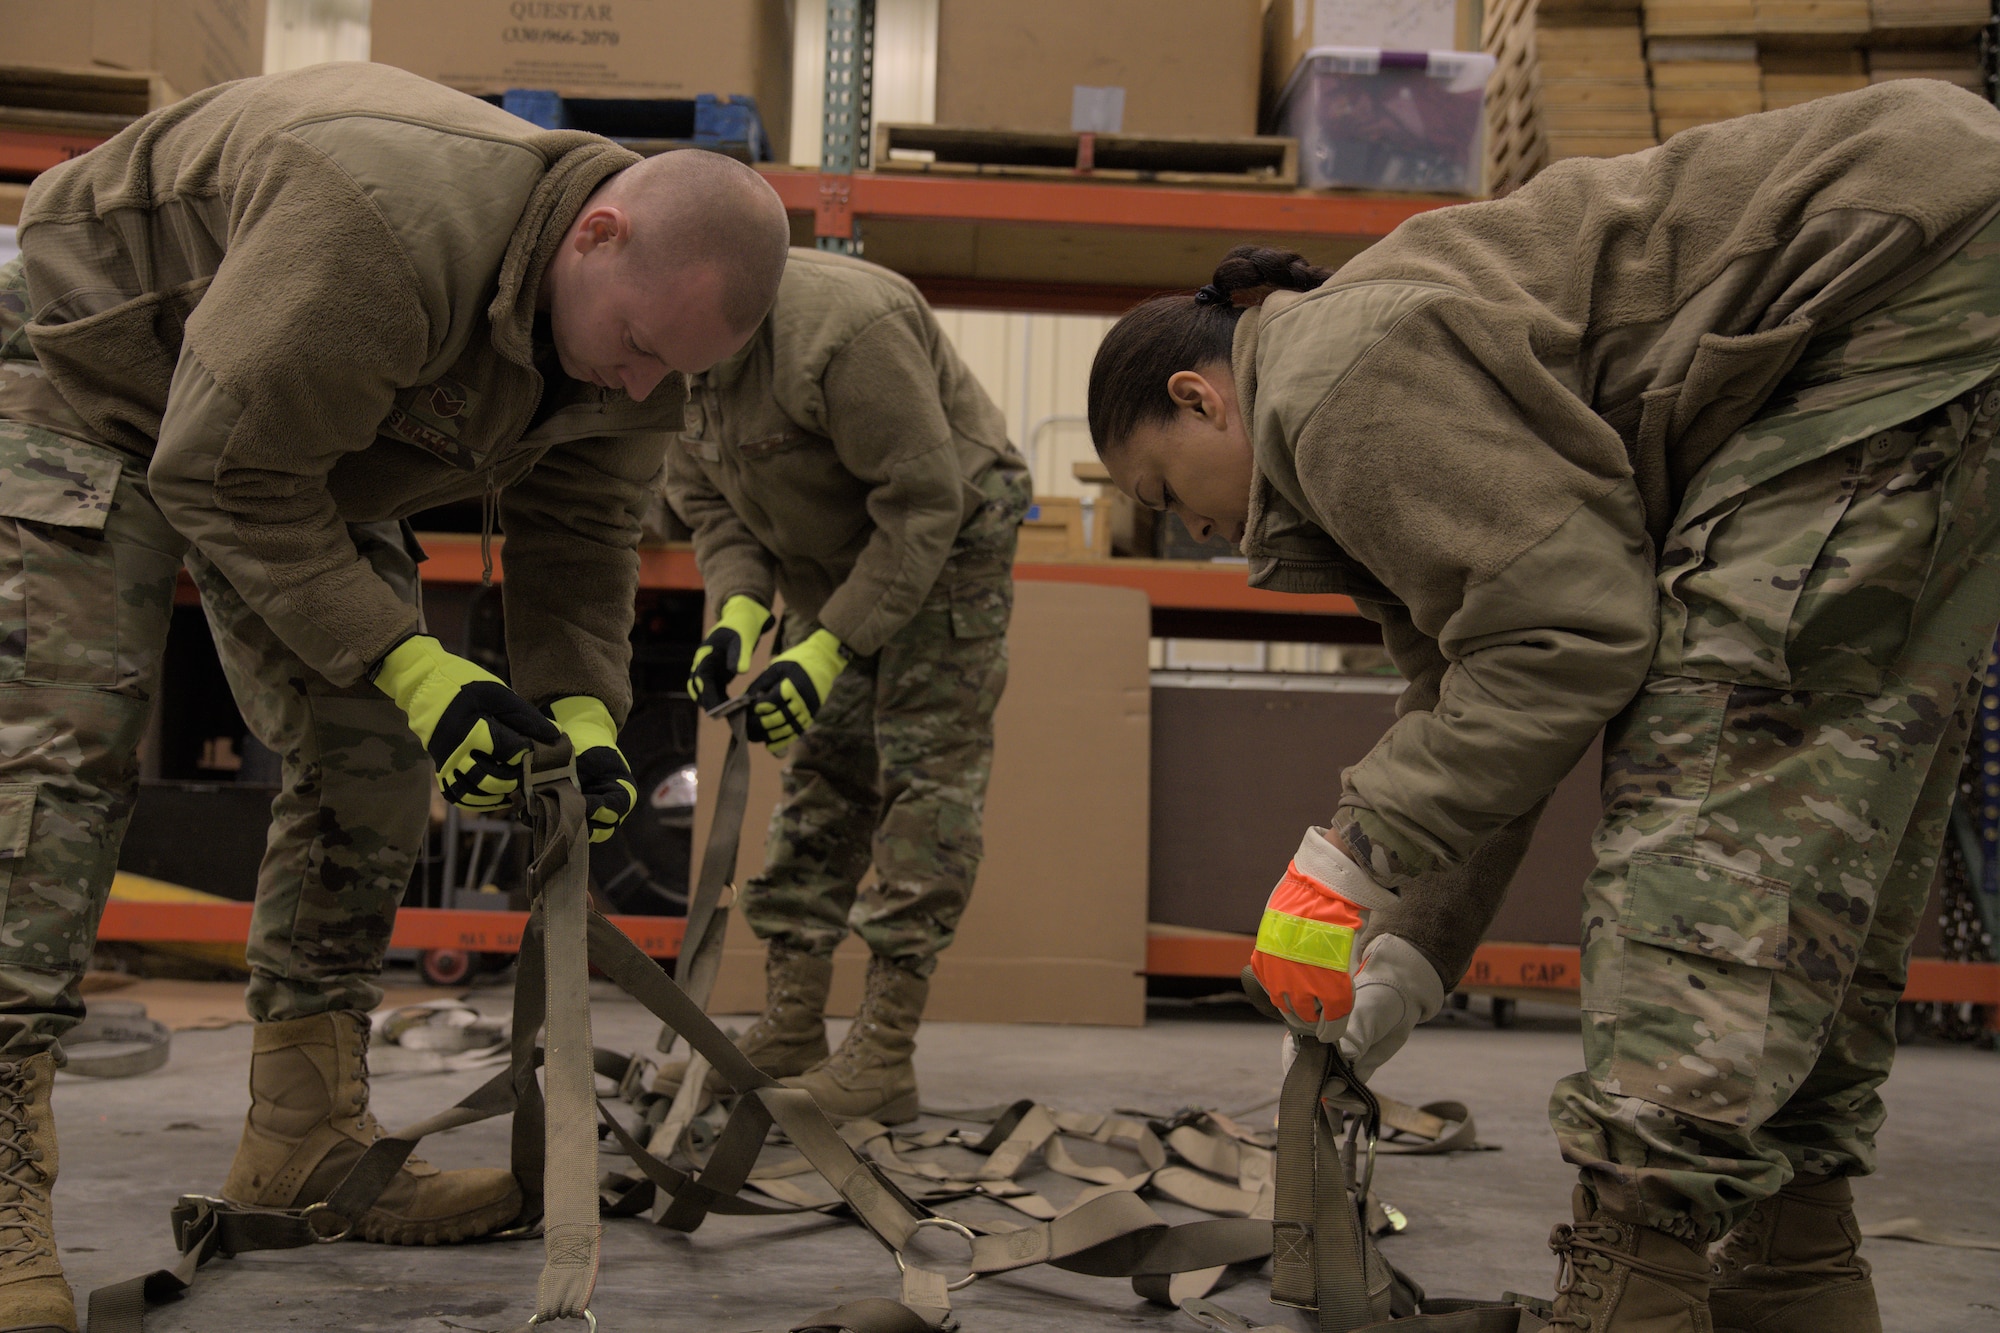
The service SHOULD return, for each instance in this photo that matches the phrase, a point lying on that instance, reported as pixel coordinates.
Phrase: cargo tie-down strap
(1298, 1205)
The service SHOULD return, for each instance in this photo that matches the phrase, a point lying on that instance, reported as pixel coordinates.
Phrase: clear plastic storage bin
(1370, 119)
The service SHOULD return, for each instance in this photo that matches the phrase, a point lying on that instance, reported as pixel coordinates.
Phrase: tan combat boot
(34, 1297)
(309, 1123)
(1791, 1266)
(1619, 1277)
(870, 1077)
(789, 1037)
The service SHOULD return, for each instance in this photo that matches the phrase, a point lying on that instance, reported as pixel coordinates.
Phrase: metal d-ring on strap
(948, 1224)
(589, 1320)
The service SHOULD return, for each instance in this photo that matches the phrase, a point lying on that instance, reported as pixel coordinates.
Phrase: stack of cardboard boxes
(187, 44)
(1147, 67)
(642, 49)
(79, 71)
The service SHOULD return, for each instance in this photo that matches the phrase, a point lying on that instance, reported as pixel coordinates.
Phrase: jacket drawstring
(489, 514)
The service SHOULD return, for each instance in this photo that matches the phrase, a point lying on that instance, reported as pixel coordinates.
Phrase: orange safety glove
(1305, 952)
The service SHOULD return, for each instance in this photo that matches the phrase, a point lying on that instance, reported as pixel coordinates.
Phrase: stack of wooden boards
(1594, 98)
(1570, 82)
(1573, 79)
(1714, 59)
(1698, 80)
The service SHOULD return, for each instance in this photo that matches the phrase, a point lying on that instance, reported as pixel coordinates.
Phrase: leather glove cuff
(1391, 960)
(1323, 859)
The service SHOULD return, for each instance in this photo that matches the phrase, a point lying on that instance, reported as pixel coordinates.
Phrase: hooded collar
(579, 163)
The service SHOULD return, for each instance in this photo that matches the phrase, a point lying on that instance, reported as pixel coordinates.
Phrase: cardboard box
(1294, 27)
(1056, 932)
(1180, 66)
(581, 48)
(192, 44)
(1218, 847)
(1053, 530)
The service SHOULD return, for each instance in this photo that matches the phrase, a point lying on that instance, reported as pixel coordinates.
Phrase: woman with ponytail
(1690, 447)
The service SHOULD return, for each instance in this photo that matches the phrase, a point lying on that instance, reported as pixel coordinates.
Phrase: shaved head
(696, 209)
(670, 266)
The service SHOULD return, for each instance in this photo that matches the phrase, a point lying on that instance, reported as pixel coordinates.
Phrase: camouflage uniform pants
(894, 769)
(1777, 796)
(87, 572)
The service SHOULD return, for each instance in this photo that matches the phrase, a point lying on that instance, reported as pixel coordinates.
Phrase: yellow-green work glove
(788, 695)
(477, 730)
(601, 771)
(725, 653)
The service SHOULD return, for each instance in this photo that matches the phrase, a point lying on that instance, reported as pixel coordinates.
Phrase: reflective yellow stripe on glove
(790, 692)
(601, 771)
(477, 730)
(725, 653)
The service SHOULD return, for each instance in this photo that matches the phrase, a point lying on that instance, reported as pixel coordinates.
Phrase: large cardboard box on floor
(192, 44)
(1183, 67)
(1294, 27)
(1056, 932)
(581, 48)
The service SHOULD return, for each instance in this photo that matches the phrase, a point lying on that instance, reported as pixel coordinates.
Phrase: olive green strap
(116, 1040)
(560, 879)
(700, 957)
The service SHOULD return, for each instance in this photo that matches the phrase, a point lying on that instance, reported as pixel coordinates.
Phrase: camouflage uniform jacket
(1482, 426)
(316, 292)
(837, 456)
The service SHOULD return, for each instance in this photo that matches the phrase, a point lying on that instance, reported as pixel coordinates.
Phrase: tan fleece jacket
(308, 299)
(837, 456)
(1483, 425)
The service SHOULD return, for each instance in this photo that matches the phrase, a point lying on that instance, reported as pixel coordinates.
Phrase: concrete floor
(1478, 1221)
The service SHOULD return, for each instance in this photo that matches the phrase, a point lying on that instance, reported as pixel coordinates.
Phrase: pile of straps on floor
(1296, 1198)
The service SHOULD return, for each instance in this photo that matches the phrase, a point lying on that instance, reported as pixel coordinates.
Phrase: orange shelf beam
(1504, 966)
(1178, 584)
(416, 927)
(1098, 204)
(1551, 967)
(29, 152)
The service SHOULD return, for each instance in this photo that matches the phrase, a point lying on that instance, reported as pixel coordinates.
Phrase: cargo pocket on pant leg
(17, 823)
(60, 588)
(1701, 943)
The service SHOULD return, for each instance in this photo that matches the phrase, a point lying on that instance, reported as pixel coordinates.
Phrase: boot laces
(1584, 1245)
(359, 1108)
(25, 1234)
(1739, 1249)
(855, 1051)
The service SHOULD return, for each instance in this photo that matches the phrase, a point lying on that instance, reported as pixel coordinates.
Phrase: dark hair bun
(1259, 267)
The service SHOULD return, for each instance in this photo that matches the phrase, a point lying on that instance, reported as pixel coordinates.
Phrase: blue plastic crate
(708, 120)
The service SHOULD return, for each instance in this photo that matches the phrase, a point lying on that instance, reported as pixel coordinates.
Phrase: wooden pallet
(77, 100)
(1515, 146)
(48, 116)
(1262, 162)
